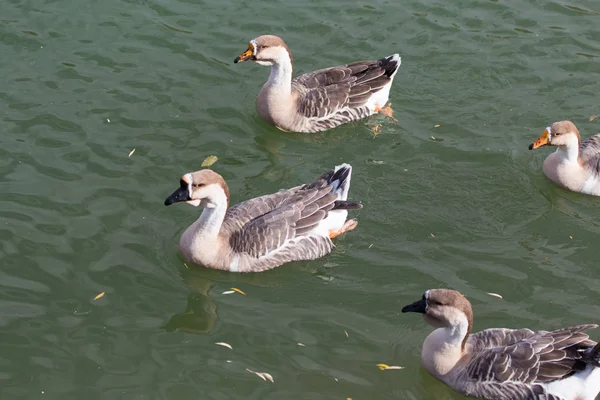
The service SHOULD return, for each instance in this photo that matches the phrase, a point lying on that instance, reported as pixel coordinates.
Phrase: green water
(86, 82)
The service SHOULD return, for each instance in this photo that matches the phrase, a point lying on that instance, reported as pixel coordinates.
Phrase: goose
(575, 165)
(505, 364)
(267, 231)
(323, 99)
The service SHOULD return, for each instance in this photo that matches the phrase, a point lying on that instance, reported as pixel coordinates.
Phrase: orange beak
(245, 56)
(543, 140)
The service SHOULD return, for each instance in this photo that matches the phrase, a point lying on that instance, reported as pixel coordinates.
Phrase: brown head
(444, 308)
(265, 50)
(561, 133)
(204, 187)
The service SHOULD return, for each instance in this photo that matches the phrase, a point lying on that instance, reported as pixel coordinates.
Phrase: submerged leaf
(238, 290)
(376, 129)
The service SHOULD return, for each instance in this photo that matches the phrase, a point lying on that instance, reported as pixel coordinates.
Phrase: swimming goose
(267, 231)
(322, 99)
(575, 165)
(505, 364)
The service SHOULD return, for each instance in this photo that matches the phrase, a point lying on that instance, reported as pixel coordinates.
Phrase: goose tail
(390, 65)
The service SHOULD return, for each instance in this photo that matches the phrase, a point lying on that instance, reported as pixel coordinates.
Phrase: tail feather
(346, 205)
(593, 356)
(390, 64)
(340, 180)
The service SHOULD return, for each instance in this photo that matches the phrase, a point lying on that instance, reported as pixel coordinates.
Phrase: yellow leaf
(301, 344)
(385, 366)
(99, 296)
(436, 126)
(238, 290)
(208, 161)
(346, 332)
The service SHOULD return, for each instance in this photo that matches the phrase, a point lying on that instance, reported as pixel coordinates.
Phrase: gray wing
(589, 153)
(516, 360)
(295, 214)
(326, 91)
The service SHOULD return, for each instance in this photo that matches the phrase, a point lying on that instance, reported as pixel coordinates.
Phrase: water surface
(86, 82)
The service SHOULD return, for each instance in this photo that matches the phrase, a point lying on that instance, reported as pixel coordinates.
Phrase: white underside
(335, 219)
(380, 98)
(584, 385)
(591, 185)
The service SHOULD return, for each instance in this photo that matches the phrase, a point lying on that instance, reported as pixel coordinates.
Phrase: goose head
(561, 133)
(444, 308)
(266, 50)
(204, 187)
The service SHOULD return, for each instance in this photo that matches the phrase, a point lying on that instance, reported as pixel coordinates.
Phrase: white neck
(442, 349)
(281, 74)
(211, 219)
(570, 151)
(207, 227)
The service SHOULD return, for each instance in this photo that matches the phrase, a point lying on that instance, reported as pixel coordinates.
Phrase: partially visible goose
(505, 364)
(575, 165)
(322, 99)
(267, 231)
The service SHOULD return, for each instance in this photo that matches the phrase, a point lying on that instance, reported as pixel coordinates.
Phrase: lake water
(86, 82)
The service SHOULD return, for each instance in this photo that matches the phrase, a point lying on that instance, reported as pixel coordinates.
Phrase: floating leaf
(228, 292)
(385, 366)
(495, 295)
(185, 265)
(99, 296)
(436, 126)
(224, 345)
(593, 117)
(238, 290)
(346, 332)
(265, 376)
(301, 344)
(208, 161)
(131, 152)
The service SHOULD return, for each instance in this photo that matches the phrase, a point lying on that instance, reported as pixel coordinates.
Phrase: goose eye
(557, 133)
(197, 185)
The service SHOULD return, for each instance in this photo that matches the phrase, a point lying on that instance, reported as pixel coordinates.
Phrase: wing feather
(527, 357)
(324, 92)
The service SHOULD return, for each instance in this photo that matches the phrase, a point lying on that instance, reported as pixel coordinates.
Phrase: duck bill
(245, 56)
(181, 194)
(418, 307)
(543, 140)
